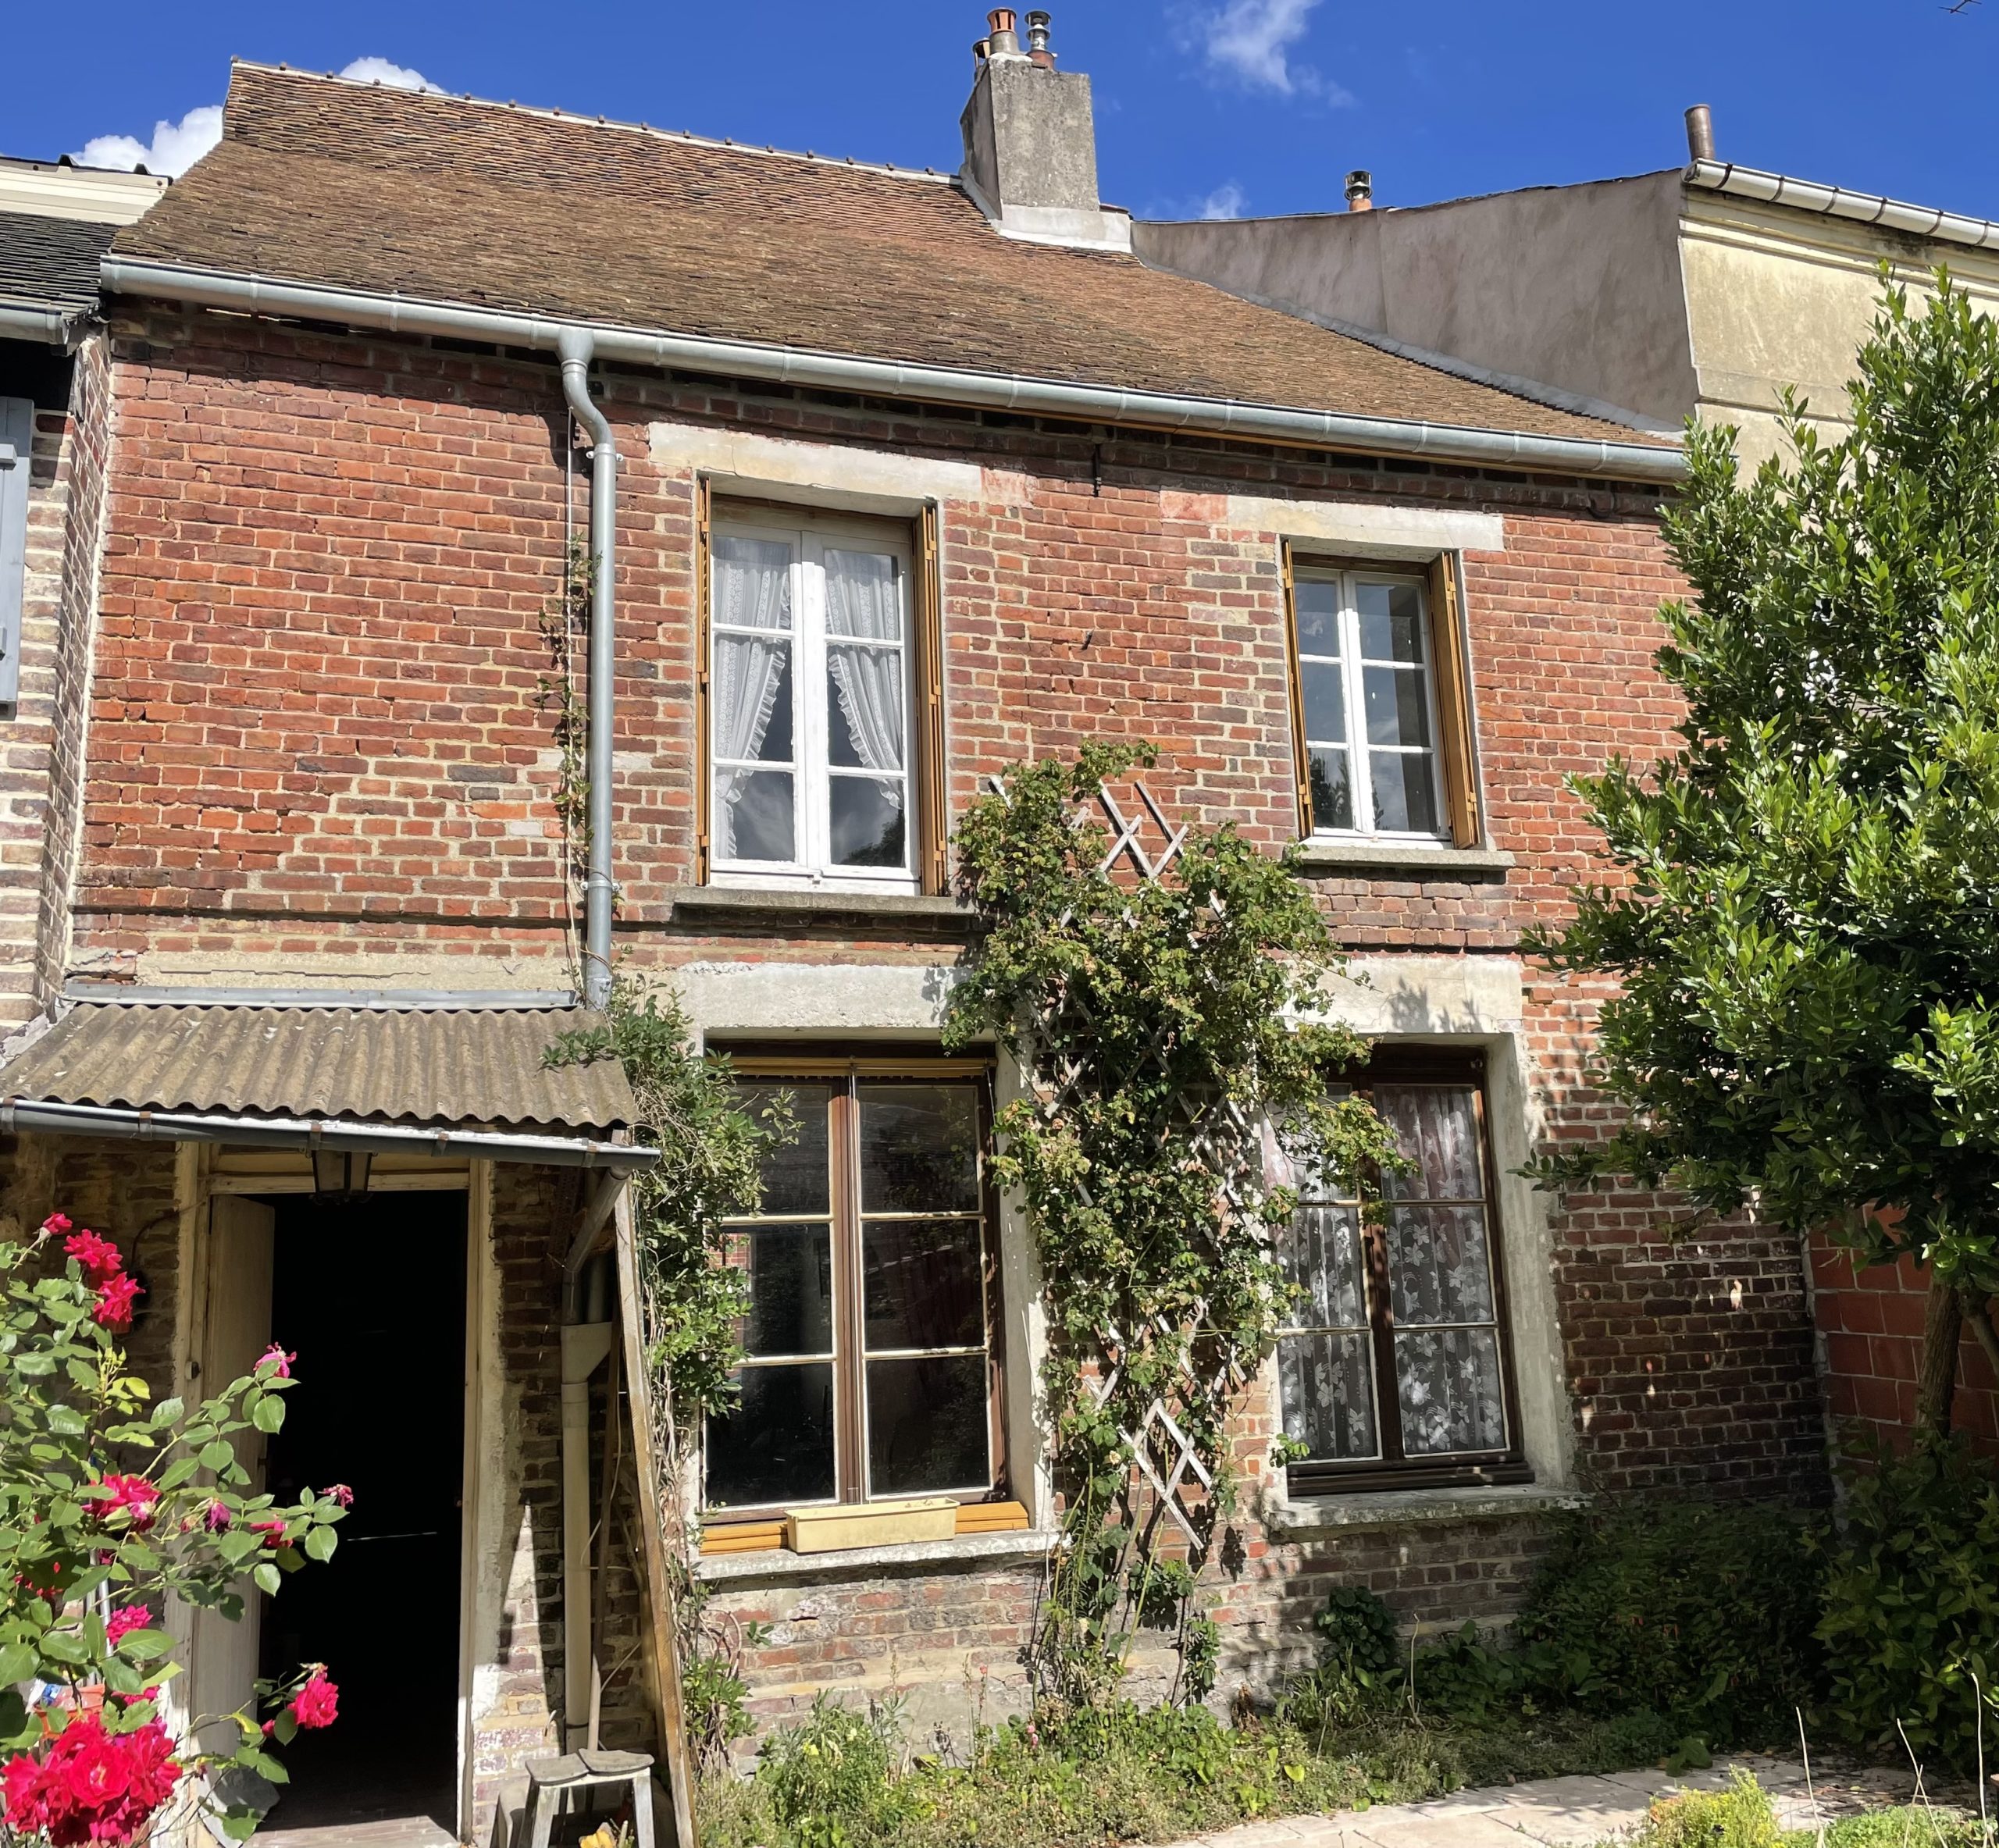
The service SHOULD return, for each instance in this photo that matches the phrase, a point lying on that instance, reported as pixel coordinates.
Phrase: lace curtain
(752, 591)
(863, 603)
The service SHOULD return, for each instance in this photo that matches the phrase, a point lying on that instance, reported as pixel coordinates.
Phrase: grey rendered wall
(1576, 286)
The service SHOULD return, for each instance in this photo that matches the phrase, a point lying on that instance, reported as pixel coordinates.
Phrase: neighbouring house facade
(916, 477)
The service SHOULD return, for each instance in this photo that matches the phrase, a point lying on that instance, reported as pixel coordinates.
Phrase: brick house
(892, 479)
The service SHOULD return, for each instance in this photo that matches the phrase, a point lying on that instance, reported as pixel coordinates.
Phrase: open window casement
(821, 700)
(1381, 728)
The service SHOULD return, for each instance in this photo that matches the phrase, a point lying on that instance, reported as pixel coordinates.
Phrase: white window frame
(811, 538)
(1353, 688)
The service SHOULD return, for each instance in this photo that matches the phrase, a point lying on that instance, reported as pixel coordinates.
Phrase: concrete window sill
(866, 1562)
(1310, 1516)
(1443, 865)
(766, 905)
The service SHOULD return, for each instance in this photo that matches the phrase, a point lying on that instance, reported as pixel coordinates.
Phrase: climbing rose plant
(109, 1506)
(1167, 1030)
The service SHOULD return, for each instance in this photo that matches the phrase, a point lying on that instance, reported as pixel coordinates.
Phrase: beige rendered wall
(1776, 296)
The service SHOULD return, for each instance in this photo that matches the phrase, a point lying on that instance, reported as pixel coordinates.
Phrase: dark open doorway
(370, 1292)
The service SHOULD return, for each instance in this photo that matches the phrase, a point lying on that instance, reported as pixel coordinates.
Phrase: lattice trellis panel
(1145, 845)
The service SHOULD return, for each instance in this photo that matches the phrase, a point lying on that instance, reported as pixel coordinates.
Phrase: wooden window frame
(918, 542)
(1391, 1469)
(850, 1353)
(1447, 689)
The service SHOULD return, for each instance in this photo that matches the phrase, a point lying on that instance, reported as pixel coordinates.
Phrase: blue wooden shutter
(16, 451)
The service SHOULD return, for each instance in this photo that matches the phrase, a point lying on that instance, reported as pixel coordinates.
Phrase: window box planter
(884, 1524)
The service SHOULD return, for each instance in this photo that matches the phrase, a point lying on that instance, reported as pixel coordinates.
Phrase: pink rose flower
(56, 1224)
(217, 1518)
(317, 1704)
(121, 1624)
(135, 1496)
(102, 1260)
(339, 1492)
(282, 1369)
(114, 1303)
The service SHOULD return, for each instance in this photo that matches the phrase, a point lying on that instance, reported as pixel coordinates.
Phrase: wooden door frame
(197, 1183)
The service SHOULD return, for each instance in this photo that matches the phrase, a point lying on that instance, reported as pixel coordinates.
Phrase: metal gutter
(50, 326)
(999, 391)
(1837, 202)
(408, 1000)
(294, 1132)
(576, 347)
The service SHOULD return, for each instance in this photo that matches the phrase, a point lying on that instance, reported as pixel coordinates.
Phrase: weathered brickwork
(317, 748)
(1870, 1325)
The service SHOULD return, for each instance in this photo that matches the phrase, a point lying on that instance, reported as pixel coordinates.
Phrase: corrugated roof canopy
(367, 1064)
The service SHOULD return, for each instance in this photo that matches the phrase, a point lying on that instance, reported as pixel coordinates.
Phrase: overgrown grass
(839, 1781)
(1742, 1816)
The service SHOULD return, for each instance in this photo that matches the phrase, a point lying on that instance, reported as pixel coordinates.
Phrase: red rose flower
(56, 1224)
(114, 1303)
(217, 1518)
(89, 1786)
(317, 1704)
(122, 1623)
(100, 1259)
(134, 1493)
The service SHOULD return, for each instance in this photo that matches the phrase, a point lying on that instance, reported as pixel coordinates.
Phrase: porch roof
(433, 1068)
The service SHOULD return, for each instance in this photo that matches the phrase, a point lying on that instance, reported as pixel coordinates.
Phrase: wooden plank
(993, 1517)
(1301, 759)
(659, 1585)
(1453, 704)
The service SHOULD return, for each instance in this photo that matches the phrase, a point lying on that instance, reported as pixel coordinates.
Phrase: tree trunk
(1937, 1377)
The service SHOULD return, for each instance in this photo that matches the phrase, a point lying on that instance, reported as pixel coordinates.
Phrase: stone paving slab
(1572, 1812)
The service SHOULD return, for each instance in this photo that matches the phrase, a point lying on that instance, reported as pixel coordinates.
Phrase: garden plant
(113, 1507)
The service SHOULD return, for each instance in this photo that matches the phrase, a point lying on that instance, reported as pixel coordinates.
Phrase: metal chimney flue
(1038, 47)
(1360, 190)
(1003, 41)
(1700, 132)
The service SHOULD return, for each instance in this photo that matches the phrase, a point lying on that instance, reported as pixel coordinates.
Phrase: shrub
(1911, 1601)
(1702, 1613)
(1740, 1817)
(834, 1769)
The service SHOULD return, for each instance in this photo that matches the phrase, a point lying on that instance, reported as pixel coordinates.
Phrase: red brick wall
(1870, 1322)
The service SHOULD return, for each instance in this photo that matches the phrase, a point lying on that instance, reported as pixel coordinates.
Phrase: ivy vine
(1168, 1029)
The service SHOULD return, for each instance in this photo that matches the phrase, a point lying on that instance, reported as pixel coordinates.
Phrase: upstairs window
(821, 701)
(871, 1372)
(1381, 721)
(1394, 1369)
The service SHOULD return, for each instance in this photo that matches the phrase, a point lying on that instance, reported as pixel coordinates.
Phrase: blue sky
(1215, 106)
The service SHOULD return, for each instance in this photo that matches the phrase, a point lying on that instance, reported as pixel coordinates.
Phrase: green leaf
(168, 1411)
(217, 1455)
(17, 1662)
(269, 1413)
(66, 1421)
(146, 1645)
(267, 1577)
(320, 1542)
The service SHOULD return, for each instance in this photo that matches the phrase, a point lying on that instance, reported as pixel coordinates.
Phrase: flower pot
(876, 1524)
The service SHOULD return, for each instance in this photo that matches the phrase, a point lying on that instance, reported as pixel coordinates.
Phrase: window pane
(777, 1447)
(919, 1148)
(752, 582)
(1325, 701)
(795, 1172)
(866, 818)
(1396, 710)
(754, 817)
(1326, 1386)
(927, 1426)
(789, 1269)
(1318, 605)
(1320, 1253)
(1391, 622)
(752, 699)
(922, 1283)
(865, 707)
(1440, 1268)
(1436, 1126)
(1449, 1380)
(1332, 800)
(1404, 801)
(865, 596)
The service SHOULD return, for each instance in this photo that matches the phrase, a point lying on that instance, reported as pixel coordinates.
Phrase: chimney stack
(1700, 133)
(1360, 190)
(1030, 136)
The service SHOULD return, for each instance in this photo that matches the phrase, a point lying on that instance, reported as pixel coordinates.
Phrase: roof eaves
(1839, 201)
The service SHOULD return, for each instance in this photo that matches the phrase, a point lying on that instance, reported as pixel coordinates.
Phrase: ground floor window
(1394, 1369)
(872, 1370)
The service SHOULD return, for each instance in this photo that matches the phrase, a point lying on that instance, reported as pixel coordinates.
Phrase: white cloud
(176, 146)
(1226, 200)
(1251, 42)
(397, 76)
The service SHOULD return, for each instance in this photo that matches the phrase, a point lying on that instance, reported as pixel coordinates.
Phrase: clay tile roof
(50, 262)
(322, 181)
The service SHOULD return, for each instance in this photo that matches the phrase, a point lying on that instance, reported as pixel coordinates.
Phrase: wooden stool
(551, 1779)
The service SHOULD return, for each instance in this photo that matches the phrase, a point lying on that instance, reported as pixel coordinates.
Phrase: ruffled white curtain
(752, 591)
(863, 603)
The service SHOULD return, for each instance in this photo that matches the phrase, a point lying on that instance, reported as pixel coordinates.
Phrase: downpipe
(575, 346)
